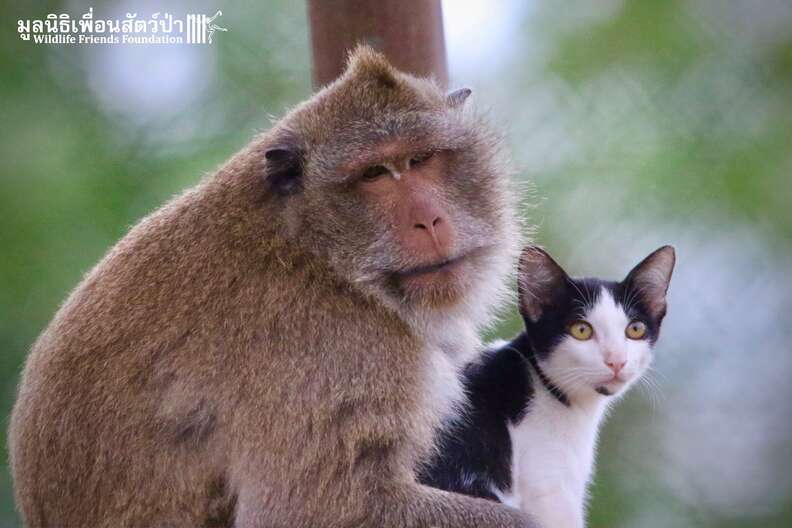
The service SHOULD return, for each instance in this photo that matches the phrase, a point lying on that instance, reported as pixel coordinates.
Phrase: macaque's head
(404, 190)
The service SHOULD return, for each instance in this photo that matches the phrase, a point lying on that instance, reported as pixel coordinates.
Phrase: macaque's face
(421, 240)
(404, 192)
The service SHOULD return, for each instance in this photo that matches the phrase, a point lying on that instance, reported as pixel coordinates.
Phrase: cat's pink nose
(616, 366)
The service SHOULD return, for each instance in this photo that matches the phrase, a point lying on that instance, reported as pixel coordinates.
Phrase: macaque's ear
(540, 282)
(458, 97)
(366, 64)
(283, 169)
(649, 280)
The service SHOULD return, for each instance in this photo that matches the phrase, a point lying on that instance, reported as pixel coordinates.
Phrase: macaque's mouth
(444, 265)
(447, 265)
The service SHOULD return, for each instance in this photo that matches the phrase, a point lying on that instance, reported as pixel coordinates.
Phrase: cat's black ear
(458, 97)
(649, 280)
(540, 282)
(283, 168)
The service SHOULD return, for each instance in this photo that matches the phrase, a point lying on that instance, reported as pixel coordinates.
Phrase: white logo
(204, 28)
(159, 28)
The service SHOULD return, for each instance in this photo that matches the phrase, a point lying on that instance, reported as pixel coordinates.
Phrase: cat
(528, 434)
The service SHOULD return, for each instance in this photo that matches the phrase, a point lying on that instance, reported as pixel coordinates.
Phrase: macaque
(276, 346)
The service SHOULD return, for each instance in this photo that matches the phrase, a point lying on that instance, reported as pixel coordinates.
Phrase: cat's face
(591, 336)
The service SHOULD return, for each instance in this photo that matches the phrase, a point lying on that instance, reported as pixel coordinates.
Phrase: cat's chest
(553, 448)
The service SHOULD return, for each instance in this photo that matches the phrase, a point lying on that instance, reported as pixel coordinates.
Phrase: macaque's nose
(615, 365)
(431, 232)
(430, 226)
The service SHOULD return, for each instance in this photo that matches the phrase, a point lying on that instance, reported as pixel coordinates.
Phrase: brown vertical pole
(409, 32)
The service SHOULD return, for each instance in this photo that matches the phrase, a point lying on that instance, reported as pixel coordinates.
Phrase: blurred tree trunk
(409, 32)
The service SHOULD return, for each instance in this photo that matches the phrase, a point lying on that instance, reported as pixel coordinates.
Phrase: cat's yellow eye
(635, 330)
(581, 330)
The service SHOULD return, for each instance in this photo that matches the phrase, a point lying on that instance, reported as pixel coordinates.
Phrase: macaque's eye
(635, 330)
(374, 172)
(581, 330)
(420, 158)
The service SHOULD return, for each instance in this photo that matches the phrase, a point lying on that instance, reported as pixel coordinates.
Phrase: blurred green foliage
(664, 116)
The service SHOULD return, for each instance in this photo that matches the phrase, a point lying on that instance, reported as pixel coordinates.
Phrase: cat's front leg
(555, 509)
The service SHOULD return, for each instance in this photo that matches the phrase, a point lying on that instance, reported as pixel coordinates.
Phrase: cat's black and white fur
(528, 435)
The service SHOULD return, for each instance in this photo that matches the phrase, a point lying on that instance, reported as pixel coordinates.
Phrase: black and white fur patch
(528, 434)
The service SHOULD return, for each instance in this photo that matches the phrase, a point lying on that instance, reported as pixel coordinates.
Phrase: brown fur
(239, 358)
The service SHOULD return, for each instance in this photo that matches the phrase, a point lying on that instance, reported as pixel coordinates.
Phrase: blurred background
(633, 123)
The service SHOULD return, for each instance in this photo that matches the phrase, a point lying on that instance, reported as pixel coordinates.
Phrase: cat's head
(592, 336)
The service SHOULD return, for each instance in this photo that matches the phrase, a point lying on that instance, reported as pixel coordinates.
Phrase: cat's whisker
(650, 386)
(585, 300)
(571, 377)
(657, 373)
(646, 390)
(567, 376)
(658, 387)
